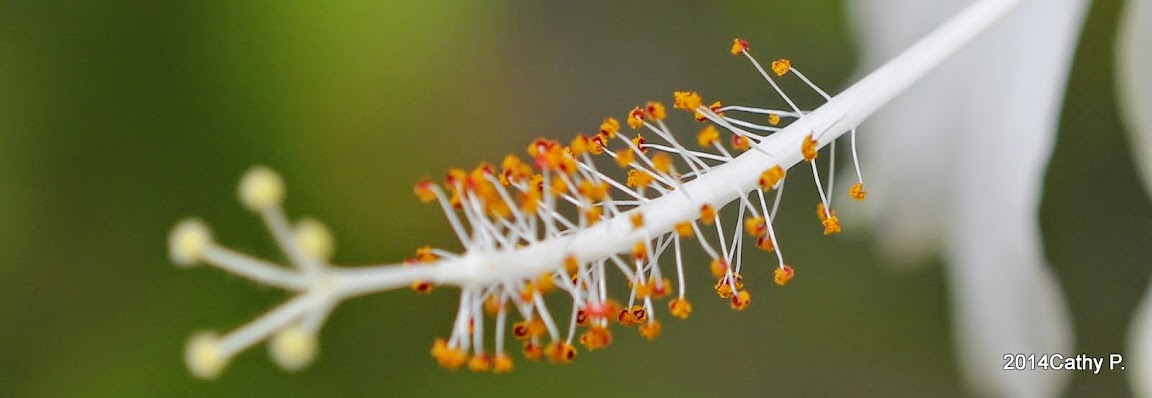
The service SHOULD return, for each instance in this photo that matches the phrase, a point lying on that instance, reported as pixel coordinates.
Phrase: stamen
(558, 191)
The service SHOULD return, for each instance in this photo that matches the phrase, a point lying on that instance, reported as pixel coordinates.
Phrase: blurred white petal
(1139, 354)
(958, 162)
(905, 156)
(1133, 63)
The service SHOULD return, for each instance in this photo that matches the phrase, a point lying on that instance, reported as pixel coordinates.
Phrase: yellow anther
(723, 290)
(640, 251)
(639, 142)
(598, 144)
(741, 300)
(639, 313)
(626, 318)
(422, 286)
(808, 148)
(425, 254)
(625, 157)
(593, 214)
(773, 119)
(756, 226)
(609, 127)
(639, 179)
(783, 274)
(708, 137)
(498, 209)
(729, 284)
(594, 192)
(684, 229)
(559, 187)
(781, 66)
(658, 289)
(580, 145)
(454, 200)
(707, 214)
(424, 190)
(636, 118)
(739, 46)
(439, 347)
(528, 292)
(719, 267)
(536, 327)
(822, 213)
(637, 220)
(741, 143)
(655, 110)
(857, 191)
(448, 357)
(571, 265)
(688, 100)
(541, 146)
(650, 330)
(765, 244)
(642, 290)
(680, 308)
(480, 363)
(537, 182)
(493, 304)
(546, 283)
(530, 202)
(662, 163)
(502, 363)
(596, 338)
(514, 170)
(831, 225)
(533, 351)
(737, 280)
(560, 352)
(769, 178)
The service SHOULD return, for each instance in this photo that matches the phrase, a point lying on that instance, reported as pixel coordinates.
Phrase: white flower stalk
(558, 223)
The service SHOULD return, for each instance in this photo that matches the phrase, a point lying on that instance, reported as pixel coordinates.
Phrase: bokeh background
(119, 118)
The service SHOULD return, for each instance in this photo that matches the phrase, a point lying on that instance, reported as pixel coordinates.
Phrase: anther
(808, 148)
(636, 118)
(769, 178)
(687, 100)
(680, 308)
(650, 330)
(708, 137)
(783, 274)
(857, 191)
(781, 66)
(609, 127)
(739, 46)
(741, 300)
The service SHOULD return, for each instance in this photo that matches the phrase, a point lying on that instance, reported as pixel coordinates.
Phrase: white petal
(1004, 297)
(966, 153)
(1140, 349)
(1133, 63)
(904, 148)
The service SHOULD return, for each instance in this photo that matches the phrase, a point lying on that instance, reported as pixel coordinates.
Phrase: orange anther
(680, 308)
(739, 46)
(781, 66)
(783, 274)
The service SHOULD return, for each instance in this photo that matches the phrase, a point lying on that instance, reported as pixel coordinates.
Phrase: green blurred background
(119, 118)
